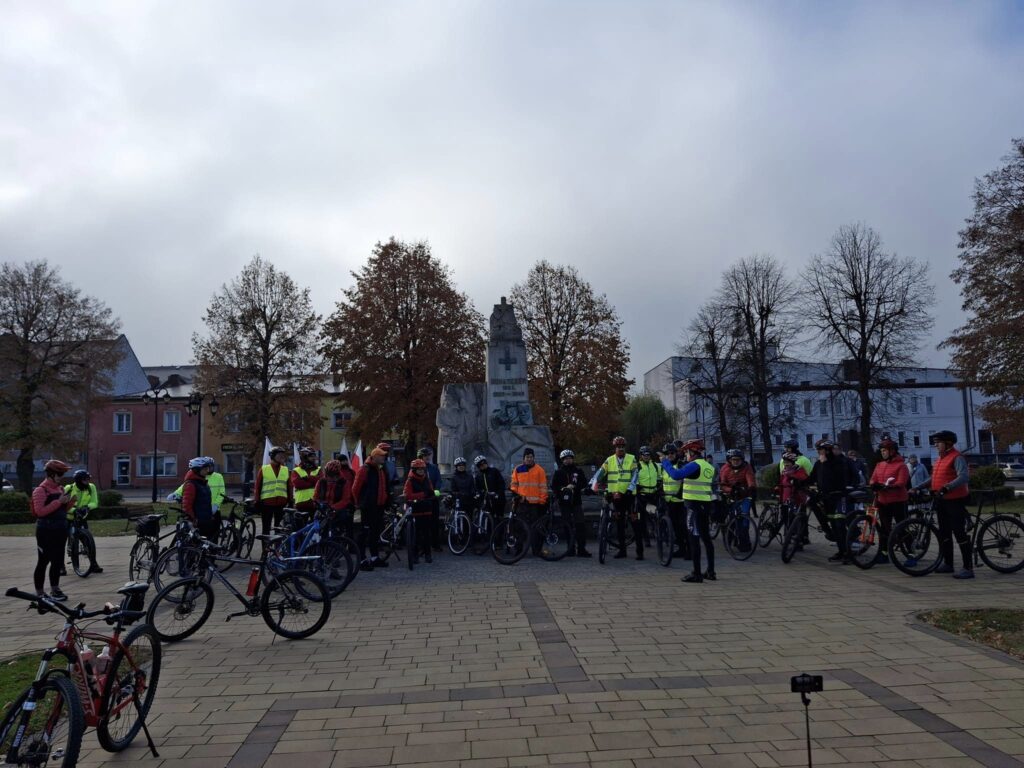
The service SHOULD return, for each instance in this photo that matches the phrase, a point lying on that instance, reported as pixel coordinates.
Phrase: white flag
(344, 446)
(266, 450)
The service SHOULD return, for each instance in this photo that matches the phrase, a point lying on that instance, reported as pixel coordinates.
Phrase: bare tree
(711, 344)
(758, 293)
(261, 356)
(56, 353)
(873, 308)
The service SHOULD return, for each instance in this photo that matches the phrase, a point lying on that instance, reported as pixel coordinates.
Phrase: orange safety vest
(531, 484)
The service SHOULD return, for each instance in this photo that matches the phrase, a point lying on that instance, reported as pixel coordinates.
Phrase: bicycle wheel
(914, 547)
(510, 540)
(768, 525)
(482, 534)
(794, 532)
(227, 539)
(332, 566)
(666, 540)
(295, 604)
(1000, 543)
(180, 608)
(553, 537)
(604, 525)
(142, 559)
(51, 732)
(459, 534)
(740, 537)
(410, 541)
(175, 563)
(352, 550)
(134, 674)
(78, 553)
(862, 541)
(246, 538)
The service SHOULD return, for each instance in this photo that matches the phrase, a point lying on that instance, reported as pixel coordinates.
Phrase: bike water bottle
(102, 663)
(254, 579)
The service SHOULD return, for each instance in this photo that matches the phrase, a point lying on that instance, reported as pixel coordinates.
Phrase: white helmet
(566, 454)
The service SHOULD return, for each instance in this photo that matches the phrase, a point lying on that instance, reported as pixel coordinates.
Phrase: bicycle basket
(148, 527)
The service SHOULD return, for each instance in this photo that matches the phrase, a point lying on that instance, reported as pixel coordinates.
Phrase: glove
(437, 493)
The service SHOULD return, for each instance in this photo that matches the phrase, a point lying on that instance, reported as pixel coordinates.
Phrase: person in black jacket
(567, 486)
(831, 475)
(490, 485)
(462, 486)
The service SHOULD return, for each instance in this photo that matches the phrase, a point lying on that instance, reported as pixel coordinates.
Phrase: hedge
(9, 516)
(988, 477)
(14, 501)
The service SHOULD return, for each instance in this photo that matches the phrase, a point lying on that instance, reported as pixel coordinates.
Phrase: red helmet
(619, 442)
(57, 466)
(417, 464)
(889, 444)
(332, 467)
(695, 444)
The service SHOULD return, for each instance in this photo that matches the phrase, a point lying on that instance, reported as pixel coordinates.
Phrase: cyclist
(489, 482)
(217, 488)
(50, 507)
(303, 480)
(698, 478)
(83, 494)
(890, 480)
(197, 499)
(567, 486)
(462, 487)
(426, 455)
(737, 483)
(419, 493)
(831, 476)
(334, 489)
(372, 494)
(950, 483)
(792, 481)
(619, 474)
(672, 493)
(273, 492)
(530, 483)
(648, 487)
(793, 447)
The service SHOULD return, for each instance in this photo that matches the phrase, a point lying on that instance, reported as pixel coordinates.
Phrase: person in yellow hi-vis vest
(304, 479)
(698, 477)
(273, 492)
(619, 474)
(83, 494)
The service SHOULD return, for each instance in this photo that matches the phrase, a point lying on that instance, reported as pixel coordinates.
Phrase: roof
(128, 377)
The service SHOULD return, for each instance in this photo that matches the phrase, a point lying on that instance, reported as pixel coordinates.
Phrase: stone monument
(494, 418)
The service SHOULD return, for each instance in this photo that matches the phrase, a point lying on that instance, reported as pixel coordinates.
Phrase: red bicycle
(111, 691)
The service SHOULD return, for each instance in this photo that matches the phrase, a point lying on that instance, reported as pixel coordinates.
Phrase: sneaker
(944, 568)
(621, 554)
(966, 573)
(583, 553)
(693, 578)
(96, 569)
(366, 565)
(710, 576)
(60, 597)
(838, 557)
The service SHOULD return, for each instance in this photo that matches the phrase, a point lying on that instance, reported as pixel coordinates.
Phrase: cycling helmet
(645, 450)
(789, 456)
(888, 443)
(479, 460)
(619, 442)
(57, 466)
(791, 445)
(276, 450)
(943, 435)
(418, 464)
(307, 451)
(668, 448)
(824, 444)
(332, 467)
(82, 475)
(694, 444)
(733, 453)
(566, 454)
(459, 460)
(678, 444)
(424, 451)
(199, 462)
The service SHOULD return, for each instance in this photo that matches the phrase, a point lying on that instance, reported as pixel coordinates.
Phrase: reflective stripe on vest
(670, 487)
(304, 494)
(274, 487)
(699, 488)
(617, 480)
(647, 479)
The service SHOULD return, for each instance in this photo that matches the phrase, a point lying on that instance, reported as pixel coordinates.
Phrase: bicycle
(147, 545)
(606, 536)
(81, 542)
(996, 540)
(511, 536)
(238, 531)
(182, 607)
(458, 525)
(111, 692)
(399, 532)
(328, 556)
(739, 532)
(552, 534)
(665, 535)
(772, 522)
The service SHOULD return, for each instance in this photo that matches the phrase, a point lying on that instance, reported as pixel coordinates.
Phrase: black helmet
(645, 450)
(733, 453)
(669, 448)
(824, 444)
(791, 445)
(81, 476)
(944, 435)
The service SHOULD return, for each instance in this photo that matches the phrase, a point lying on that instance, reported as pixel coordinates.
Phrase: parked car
(1012, 471)
(6, 486)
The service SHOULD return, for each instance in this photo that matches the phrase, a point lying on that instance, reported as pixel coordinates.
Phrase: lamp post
(154, 396)
(195, 408)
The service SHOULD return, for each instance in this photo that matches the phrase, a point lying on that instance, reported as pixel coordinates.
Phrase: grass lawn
(997, 627)
(17, 673)
(113, 527)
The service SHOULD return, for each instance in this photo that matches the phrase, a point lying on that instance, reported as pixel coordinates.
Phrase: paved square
(469, 664)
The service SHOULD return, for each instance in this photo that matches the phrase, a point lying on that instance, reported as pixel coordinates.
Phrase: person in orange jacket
(530, 483)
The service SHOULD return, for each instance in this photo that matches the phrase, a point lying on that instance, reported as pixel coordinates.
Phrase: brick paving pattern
(469, 664)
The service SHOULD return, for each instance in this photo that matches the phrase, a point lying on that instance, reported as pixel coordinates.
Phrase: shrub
(988, 477)
(110, 498)
(8, 516)
(14, 501)
(768, 477)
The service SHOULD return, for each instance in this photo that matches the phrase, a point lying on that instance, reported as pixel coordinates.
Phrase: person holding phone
(50, 506)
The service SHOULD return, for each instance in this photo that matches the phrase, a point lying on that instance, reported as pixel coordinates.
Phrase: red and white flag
(356, 459)
(344, 447)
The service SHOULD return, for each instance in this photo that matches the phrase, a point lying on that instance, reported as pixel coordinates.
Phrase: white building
(818, 404)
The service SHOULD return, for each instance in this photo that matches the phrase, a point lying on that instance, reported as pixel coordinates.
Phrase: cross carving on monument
(508, 361)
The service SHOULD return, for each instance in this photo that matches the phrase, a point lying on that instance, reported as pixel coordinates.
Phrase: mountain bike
(607, 536)
(295, 604)
(511, 536)
(111, 692)
(771, 523)
(665, 535)
(553, 534)
(399, 533)
(310, 535)
(81, 544)
(146, 550)
(739, 532)
(237, 531)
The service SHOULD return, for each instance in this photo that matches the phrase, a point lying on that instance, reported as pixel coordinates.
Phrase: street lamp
(154, 396)
(195, 408)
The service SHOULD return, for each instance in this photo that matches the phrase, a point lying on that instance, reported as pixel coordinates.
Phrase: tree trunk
(25, 468)
(864, 393)
(766, 428)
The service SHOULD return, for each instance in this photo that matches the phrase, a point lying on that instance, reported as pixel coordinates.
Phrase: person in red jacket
(335, 490)
(196, 498)
(50, 508)
(736, 479)
(792, 481)
(419, 492)
(372, 494)
(950, 484)
(890, 480)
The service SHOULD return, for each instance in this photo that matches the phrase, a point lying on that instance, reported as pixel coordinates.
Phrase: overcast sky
(150, 149)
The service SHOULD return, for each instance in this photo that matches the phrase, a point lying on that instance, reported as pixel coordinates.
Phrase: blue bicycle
(312, 537)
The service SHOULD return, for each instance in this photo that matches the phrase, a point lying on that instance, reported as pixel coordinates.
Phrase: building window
(809, 441)
(899, 404)
(929, 404)
(716, 443)
(839, 406)
(778, 439)
(808, 407)
(792, 409)
(122, 423)
(234, 463)
(340, 419)
(823, 407)
(122, 470)
(901, 438)
(917, 439)
(233, 423)
(172, 421)
(913, 403)
(166, 466)
(778, 407)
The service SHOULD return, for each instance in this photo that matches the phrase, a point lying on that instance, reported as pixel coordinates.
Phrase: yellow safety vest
(273, 487)
(618, 479)
(801, 461)
(700, 488)
(647, 478)
(670, 488)
(81, 498)
(305, 494)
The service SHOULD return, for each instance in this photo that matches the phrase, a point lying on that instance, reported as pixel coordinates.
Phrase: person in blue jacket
(698, 476)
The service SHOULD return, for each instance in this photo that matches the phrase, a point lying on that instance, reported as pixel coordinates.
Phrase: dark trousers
(342, 522)
(698, 519)
(642, 500)
(677, 514)
(887, 514)
(624, 509)
(423, 531)
(372, 524)
(435, 522)
(953, 514)
(270, 514)
(574, 515)
(832, 521)
(50, 543)
(210, 528)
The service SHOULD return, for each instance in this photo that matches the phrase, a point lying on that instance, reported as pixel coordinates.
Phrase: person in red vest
(890, 480)
(372, 496)
(949, 484)
(419, 492)
(334, 488)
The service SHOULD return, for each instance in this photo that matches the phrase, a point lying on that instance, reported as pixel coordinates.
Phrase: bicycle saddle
(134, 588)
(858, 495)
(271, 538)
